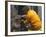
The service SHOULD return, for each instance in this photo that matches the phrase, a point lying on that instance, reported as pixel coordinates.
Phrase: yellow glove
(34, 19)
